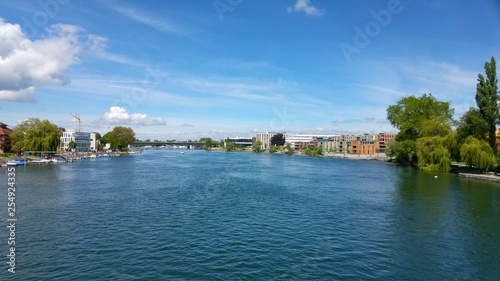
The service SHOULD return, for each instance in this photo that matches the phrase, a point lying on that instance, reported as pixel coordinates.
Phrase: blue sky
(191, 69)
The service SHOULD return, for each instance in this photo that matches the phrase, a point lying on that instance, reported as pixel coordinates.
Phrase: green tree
(472, 124)
(439, 126)
(207, 143)
(272, 149)
(72, 145)
(289, 149)
(478, 153)
(432, 155)
(278, 139)
(450, 142)
(229, 145)
(487, 100)
(404, 152)
(257, 146)
(35, 135)
(120, 137)
(412, 114)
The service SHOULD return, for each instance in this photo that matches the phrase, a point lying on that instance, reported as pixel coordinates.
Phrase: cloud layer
(119, 116)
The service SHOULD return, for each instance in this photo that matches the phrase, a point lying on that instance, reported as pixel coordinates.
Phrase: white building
(295, 139)
(94, 143)
(81, 139)
(265, 139)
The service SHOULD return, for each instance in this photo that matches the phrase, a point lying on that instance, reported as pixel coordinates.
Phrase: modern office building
(81, 139)
(241, 142)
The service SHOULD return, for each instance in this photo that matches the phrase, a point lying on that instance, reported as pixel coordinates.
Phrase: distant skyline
(219, 68)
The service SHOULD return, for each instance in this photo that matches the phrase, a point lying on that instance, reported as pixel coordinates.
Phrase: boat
(182, 152)
(42, 161)
(59, 160)
(16, 163)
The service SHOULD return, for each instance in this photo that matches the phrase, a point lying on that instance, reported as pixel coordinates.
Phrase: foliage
(6, 144)
(450, 142)
(472, 124)
(432, 155)
(412, 114)
(435, 127)
(289, 149)
(278, 139)
(313, 151)
(35, 135)
(120, 137)
(257, 146)
(272, 149)
(207, 143)
(72, 144)
(478, 153)
(97, 136)
(229, 145)
(404, 152)
(487, 100)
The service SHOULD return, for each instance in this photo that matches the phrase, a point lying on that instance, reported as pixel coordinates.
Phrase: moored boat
(59, 160)
(16, 163)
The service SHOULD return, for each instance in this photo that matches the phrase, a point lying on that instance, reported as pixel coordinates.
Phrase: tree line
(426, 137)
(34, 134)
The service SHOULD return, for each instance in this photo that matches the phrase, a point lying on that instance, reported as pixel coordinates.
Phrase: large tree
(433, 155)
(412, 114)
(418, 117)
(120, 137)
(487, 99)
(478, 153)
(257, 146)
(207, 143)
(35, 135)
(278, 139)
(472, 124)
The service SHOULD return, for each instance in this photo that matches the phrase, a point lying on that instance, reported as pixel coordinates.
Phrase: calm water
(244, 216)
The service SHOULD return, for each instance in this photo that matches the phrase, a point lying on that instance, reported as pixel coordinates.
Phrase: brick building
(5, 141)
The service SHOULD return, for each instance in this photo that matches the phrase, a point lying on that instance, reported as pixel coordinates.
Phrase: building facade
(81, 139)
(94, 142)
(383, 140)
(241, 142)
(265, 139)
(5, 141)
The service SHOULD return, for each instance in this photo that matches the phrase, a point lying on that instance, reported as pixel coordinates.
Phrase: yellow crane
(77, 117)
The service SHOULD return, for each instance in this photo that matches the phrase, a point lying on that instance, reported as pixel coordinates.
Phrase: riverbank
(483, 177)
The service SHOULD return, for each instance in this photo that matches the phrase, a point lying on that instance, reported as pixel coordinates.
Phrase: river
(210, 215)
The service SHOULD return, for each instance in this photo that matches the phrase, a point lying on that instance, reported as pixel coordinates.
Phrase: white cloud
(119, 115)
(26, 65)
(306, 7)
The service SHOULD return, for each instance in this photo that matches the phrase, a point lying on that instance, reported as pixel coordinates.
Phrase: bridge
(190, 144)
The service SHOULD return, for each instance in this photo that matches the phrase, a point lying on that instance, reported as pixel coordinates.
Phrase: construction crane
(77, 117)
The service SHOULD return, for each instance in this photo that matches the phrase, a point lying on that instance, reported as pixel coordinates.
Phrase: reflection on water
(226, 216)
